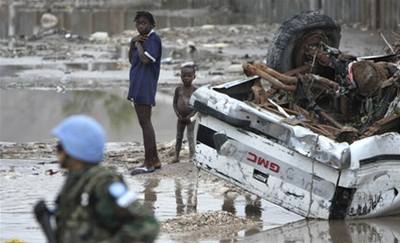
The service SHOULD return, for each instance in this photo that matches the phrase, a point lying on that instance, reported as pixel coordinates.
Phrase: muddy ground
(192, 205)
(63, 61)
(193, 218)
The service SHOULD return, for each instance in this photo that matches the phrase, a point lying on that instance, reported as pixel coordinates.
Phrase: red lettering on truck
(254, 158)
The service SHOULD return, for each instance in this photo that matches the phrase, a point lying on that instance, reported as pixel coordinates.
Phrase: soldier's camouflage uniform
(88, 212)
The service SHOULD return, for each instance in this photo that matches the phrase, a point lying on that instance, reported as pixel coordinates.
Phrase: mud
(186, 201)
(191, 205)
(178, 194)
(57, 62)
(87, 64)
(206, 225)
(205, 221)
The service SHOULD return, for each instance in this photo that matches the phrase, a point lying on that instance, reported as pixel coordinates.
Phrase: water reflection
(118, 110)
(37, 111)
(381, 230)
(150, 195)
(253, 209)
(229, 203)
(180, 206)
(23, 182)
(191, 199)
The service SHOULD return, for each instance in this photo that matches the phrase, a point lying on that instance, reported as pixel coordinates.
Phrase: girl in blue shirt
(145, 57)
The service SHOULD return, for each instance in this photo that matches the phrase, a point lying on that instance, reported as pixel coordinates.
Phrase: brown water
(29, 115)
(382, 230)
(24, 182)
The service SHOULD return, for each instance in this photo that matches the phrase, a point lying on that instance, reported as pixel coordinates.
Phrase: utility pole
(373, 12)
(315, 4)
(11, 23)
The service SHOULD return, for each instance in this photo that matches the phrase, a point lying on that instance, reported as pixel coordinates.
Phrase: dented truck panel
(292, 166)
(297, 138)
(256, 164)
(375, 175)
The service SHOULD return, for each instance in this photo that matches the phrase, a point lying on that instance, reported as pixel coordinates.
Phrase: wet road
(24, 182)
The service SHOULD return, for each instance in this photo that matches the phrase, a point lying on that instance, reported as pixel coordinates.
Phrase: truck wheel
(296, 35)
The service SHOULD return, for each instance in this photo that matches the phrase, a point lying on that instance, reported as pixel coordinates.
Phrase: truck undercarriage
(311, 129)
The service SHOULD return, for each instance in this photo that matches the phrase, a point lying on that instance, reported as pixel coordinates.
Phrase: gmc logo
(263, 162)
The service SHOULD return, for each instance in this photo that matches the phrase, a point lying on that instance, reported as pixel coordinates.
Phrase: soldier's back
(95, 205)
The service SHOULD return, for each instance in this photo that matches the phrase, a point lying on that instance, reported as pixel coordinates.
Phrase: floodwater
(381, 230)
(29, 115)
(22, 183)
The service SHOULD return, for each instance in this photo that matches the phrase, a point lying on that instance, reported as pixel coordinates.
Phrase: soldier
(95, 204)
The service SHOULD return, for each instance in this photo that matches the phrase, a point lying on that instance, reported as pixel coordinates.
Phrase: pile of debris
(396, 48)
(208, 221)
(337, 95)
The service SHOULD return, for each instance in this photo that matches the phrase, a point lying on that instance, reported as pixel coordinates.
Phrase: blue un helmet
(82, 138)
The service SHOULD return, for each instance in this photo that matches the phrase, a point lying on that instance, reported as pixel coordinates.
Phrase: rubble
(99, 37)
(115, 152)
(307, 130)
(205, 222)
(395, 47)
(348, 105)
(48, 20)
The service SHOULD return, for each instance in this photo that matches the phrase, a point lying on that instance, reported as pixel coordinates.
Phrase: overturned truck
(313, 130)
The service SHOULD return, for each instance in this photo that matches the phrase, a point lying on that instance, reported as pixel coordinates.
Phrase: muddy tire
(281, 53)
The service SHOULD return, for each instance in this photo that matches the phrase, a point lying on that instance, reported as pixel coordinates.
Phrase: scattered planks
(333, 129)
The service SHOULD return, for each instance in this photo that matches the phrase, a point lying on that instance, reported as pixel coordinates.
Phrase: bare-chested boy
(184, 111)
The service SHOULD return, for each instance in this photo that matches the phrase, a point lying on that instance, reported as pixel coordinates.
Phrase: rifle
(43, 215)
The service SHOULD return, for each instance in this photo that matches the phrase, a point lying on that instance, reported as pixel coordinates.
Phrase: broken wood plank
(252, 70)
(281, 77)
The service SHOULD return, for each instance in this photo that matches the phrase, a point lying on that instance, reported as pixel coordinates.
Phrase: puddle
(377, 230)
(22, 184)
(29, 115)
(92, 66)
(10, 70)
(171, 198)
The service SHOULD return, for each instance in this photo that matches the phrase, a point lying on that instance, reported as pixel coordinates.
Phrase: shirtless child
(184, 111)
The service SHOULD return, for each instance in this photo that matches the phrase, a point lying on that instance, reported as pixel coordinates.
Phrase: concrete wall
(87, 16)
(376, 14)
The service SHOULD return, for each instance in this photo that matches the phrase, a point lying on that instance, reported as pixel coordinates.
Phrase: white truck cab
(290, 165)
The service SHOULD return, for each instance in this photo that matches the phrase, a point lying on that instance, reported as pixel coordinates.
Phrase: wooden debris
(314, 117)
(275, 83)
(387, 124)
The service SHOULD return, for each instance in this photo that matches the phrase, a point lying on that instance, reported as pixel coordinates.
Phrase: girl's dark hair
(59, 147)
(146, 15)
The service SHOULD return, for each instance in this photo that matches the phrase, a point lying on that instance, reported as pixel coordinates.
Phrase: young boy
(184, 111)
